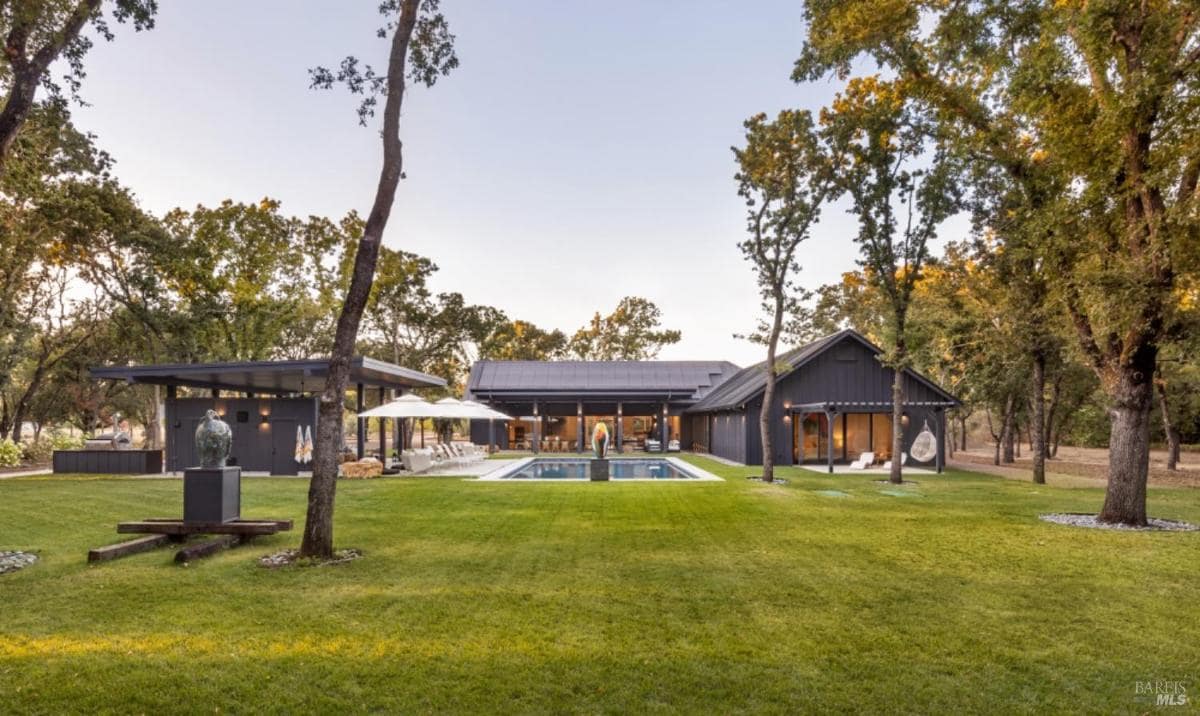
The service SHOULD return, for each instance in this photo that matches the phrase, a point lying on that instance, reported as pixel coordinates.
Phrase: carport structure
(265, 402)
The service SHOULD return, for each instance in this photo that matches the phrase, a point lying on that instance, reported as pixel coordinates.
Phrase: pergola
(268, 380)
(832, 409)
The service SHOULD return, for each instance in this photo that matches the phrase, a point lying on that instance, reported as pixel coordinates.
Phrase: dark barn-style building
(263, 401)
(832, 404)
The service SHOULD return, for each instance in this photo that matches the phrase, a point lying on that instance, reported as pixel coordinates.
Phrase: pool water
(548, 468)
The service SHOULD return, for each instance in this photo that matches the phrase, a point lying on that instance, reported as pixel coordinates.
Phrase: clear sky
(580, 153)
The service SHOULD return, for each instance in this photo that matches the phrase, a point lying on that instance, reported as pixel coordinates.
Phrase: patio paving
(847, 470)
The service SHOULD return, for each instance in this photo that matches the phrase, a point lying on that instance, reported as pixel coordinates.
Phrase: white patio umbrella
(455, 409)
(485, 411)
(406, 406)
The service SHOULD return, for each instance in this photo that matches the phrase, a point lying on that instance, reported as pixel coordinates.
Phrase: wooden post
(361, 441)
(383, 451)
(169, 430)
(537, 429)
(579, 432)
(939, 420)
(397, 432)
(491, 435)
(665, 430)
(829, 416)
(618, 430)
(798, 432)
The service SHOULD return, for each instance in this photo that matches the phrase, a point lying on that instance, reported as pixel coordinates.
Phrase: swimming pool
(563, 469)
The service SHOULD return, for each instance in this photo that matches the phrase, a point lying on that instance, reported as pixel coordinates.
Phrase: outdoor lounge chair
(653, 445)
(673, 446)
(416, 462)
(903, 461)
(468, 455)
(863, 462)
(442, 456)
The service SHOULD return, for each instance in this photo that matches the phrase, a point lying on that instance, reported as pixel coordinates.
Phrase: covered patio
(267, 403)
(828, 436)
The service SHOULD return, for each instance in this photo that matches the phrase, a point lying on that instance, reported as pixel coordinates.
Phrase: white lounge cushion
(863, 462)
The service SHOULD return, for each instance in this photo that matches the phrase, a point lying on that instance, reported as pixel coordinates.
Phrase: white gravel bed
(12, 561)
(1081, 520)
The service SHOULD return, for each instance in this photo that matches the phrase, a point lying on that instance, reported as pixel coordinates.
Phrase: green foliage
(631, 332)
(901, 192)
(10, 453)
(38, 451)
(409, 325)
(521, 340)
(720, 597)
(66, 441)
(430, 55)
(784, 176)
(43, 29)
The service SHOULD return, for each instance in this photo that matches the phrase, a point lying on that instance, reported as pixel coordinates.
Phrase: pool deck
(876, 470)
(498, 474)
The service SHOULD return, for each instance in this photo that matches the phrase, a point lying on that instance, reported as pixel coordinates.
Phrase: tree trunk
(997, 438)
(963, 421)
(1129, 445)
(318, 528)
(953, 441)
(896, 476)
(1049, 432)
(1170, 431)
(1037, 421)
(764, 415)
(1008, 429)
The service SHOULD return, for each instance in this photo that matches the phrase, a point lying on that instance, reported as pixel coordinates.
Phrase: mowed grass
(606, 598)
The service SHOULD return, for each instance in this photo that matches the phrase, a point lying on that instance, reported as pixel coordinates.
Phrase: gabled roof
(282, 376)
(679, 380)
(751, 381)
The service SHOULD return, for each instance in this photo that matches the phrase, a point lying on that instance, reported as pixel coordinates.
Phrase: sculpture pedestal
(599, 469)
(212, 494)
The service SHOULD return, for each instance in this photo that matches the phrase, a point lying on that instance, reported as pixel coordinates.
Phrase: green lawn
(615, 598)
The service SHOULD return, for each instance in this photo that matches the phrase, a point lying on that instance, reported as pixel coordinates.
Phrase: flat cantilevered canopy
(284, 376)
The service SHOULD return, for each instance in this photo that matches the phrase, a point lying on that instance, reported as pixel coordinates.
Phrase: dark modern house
(832, 404)
(263, 401)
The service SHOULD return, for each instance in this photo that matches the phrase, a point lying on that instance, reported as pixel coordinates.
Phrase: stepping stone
(833, 493)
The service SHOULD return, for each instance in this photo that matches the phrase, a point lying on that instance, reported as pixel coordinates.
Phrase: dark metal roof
(749, 382)
(680, 380)
(285, 376)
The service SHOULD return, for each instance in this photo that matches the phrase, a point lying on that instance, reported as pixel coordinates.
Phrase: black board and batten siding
(258, 445)
(847, 374)
(108, 462)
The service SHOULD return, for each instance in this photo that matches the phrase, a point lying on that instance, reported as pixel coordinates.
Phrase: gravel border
(1080, 519)
(12, 561)
(776, 481)
(291, 557)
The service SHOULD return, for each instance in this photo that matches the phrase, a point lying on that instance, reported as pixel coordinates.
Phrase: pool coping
(701, 475)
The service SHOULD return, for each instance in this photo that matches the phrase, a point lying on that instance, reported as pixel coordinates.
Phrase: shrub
(64, 441)
(39, 451)
(10, 453)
